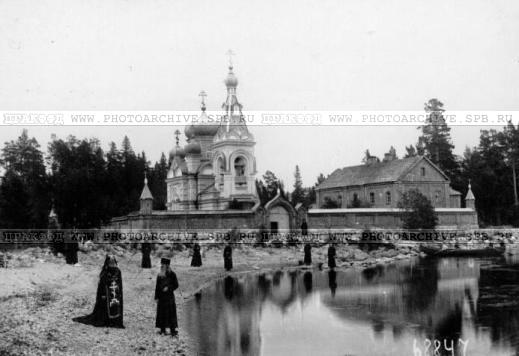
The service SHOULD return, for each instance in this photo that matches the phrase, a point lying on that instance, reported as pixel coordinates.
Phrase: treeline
(85, 185)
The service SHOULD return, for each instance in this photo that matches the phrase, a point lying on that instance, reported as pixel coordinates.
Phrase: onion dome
(193, 148)
(231, 80)
(203, 128)
(177, 151)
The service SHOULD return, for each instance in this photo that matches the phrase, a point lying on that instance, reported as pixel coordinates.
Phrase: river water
(450, 306)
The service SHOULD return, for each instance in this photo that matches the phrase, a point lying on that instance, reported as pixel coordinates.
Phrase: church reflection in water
(444, 299)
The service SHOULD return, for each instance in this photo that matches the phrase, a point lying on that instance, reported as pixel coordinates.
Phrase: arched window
(239, 166)
(372, 198)
(220, 166)
(388, 198)
(339, 200)
(423, 171)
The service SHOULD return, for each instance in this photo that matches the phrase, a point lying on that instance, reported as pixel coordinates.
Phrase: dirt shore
(40, 295)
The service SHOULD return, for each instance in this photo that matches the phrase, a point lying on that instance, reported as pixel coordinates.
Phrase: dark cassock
(167, 283)
(331, 256)
(108, 310)
(146, 252)
(304, 228)
(227, 257)
(308, 254)
(196, 260)
(71, 250)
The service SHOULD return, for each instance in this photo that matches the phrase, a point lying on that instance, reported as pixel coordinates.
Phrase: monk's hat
(165, 261)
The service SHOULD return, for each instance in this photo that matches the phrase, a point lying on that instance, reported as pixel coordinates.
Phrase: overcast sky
(290, 55)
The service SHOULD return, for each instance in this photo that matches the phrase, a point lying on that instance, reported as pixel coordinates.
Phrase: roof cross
(230, 53)
(203, 95)
(177, 139)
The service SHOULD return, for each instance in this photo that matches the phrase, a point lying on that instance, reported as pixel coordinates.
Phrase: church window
(239, 166)
(423, 171)
(372, 198)
(388, 198)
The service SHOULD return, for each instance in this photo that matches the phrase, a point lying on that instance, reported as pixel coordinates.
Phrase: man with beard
(167, 283)
(108, 310)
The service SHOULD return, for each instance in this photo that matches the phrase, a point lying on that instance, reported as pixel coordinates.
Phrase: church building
(217, 168)
(211, 182)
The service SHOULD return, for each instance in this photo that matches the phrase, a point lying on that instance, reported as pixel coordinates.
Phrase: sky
(290, 55)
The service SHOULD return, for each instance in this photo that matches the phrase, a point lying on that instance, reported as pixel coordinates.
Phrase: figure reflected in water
(308, 254)
(196, 260)
(332, 281)
(227, 257)
(146, 252)
(167, 283)
(331, 256)
(307, 281)
(228, 287)
(108, 310)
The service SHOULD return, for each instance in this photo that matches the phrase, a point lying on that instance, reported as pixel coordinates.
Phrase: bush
(418, 211)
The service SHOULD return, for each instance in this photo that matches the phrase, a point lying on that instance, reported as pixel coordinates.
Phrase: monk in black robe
(146, 251)
(196, 260)
(71, 252)
(167, 283)
(308, 254)
(108, 310)
(331, 256)
(304, 228)
(227, 257)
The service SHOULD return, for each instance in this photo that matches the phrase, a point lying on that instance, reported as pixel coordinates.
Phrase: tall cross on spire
(230, 53)
(145, 176)
(203, 95)
(177, 139)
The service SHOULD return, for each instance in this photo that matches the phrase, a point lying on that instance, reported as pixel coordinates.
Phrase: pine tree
(24, 159)
(298, 194)
(435, 142)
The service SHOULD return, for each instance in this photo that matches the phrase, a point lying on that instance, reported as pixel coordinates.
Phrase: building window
(372, 198)
(388, 198)
(339, 200)
(239, 166)
(355, 197)
(423, 171)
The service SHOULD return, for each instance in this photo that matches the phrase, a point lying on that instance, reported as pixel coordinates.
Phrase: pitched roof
(381, 172)
(146, 193)
(453, 192)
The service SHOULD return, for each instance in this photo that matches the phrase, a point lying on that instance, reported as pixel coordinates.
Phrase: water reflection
(379, 311)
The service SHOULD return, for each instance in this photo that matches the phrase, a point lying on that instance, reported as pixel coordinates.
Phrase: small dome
(178, 152)
(193, 148)
(204, 127)
(231, 80)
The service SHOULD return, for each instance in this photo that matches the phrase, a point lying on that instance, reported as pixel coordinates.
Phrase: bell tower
(233, 150)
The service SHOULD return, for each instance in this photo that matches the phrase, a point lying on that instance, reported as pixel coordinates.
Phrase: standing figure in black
(108, 310)
(167, 283)
(196, 260)
(146, 251)
(72, 248)
(308, 254)
(331, 256)
(304, 228)
(227, 257)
